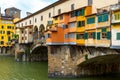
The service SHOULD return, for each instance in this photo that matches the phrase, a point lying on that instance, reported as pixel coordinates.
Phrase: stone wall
(63, 60)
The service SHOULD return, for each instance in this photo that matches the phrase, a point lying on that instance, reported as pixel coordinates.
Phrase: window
(22, 24)
(72, 35)
(66, 36)
(61, 17)
(48, 35)
(90, 2)
(35, 20)
(117, 16)
(2, 37)
(118, 36)
(80, 36)
(81, 23)
(64, 26)
(8, 32)
(103, 18)
(9, 39)
(50, 22)
(8, 27)
(72, 24)
(49, 15)
(104, 35)
(2, 27)
(72, 7)
(59, 11)
(25, 23)
(30, 21)
(80, 12)
(2, 42)
(72, 14)
(90, 35)
(91, 20)
(41, 18)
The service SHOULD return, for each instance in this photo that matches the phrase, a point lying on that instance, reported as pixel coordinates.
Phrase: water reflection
(10, 70)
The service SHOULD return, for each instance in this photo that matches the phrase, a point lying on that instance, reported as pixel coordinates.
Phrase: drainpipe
(110, 27)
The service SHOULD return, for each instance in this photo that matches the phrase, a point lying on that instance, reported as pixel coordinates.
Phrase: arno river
(11, 70)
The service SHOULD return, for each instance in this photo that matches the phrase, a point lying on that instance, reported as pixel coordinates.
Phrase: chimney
(28, 13)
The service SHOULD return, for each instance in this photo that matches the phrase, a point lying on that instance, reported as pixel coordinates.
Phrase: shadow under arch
(39, 53)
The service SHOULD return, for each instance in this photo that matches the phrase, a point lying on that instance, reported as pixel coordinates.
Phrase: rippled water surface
(11, 70)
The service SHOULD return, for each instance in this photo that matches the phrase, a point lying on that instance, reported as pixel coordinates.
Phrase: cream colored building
(39, 20)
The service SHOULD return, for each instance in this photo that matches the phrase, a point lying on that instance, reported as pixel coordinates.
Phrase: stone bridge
(39, 51)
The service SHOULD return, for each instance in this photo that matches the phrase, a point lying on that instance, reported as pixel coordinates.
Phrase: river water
(11, 70)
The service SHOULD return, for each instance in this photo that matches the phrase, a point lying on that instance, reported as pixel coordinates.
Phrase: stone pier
(63, 61)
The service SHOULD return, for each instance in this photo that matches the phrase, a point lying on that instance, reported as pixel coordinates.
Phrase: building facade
(7, 30)
(75, 30)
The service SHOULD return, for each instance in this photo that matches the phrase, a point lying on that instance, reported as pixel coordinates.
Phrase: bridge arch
(39, 53)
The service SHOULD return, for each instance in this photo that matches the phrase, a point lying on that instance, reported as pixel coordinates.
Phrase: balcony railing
(115, 7)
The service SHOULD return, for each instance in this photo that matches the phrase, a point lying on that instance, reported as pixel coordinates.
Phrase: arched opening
(35, 33)
(40, 53)
(41, 31)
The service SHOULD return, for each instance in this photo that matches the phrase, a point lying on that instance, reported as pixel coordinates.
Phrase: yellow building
(81, 13)
(103, 29)
(90, 27)
(7, 29)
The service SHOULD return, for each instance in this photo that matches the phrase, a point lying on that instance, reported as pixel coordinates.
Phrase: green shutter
(109, 35)
(103, 29)
(94, 35)
(105, 17)
(87, 20)
(100, 18)
(98, 36)
(93, 20)
(118, 36)
(76, 13)
(77, 36)
(85, 35)
(79, 23)
(83, 12)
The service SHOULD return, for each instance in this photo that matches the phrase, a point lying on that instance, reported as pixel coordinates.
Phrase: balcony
(115, 7)
(53, 29)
